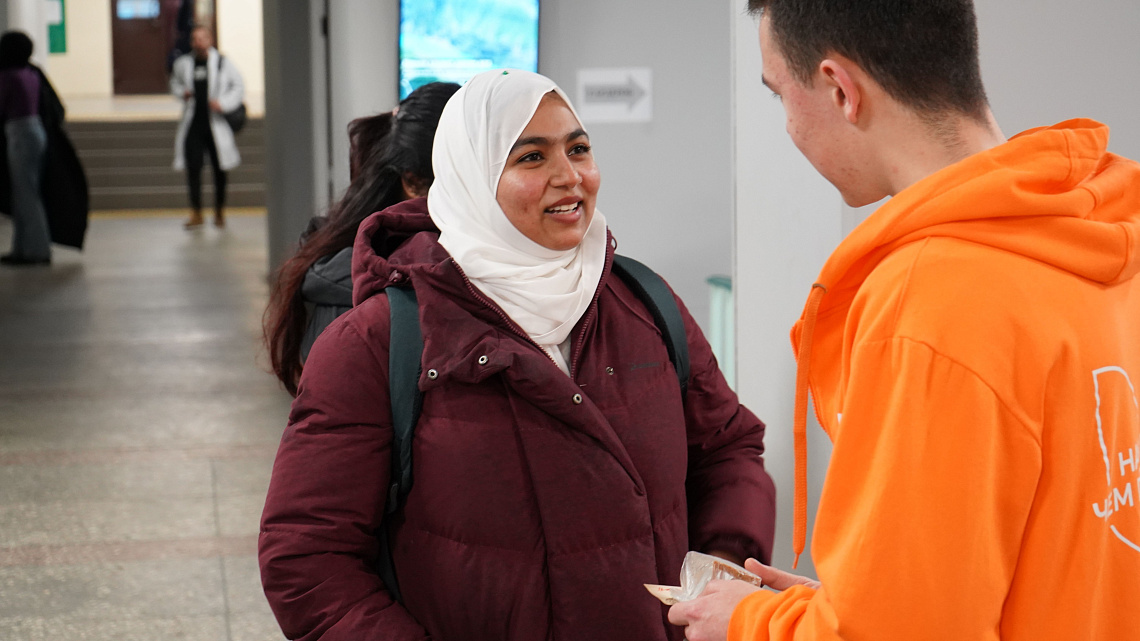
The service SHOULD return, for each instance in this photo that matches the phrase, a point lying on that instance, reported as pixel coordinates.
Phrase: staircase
(128, 166)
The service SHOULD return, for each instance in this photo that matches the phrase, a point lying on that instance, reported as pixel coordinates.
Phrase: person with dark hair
(561, 458)
(971, 349)
(390, 160)
(209, 86)
(26, 146)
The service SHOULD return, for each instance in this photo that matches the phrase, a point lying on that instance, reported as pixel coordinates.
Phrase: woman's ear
(414, 186)
(846, 93)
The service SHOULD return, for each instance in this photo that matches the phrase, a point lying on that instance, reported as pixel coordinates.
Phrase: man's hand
(215, 107)
(778, 579)
(706, 617)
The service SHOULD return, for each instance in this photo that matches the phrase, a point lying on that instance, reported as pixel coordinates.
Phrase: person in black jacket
(55, 184)
(390, 161)
(26, 146)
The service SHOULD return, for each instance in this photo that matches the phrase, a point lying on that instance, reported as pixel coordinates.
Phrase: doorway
(146, 37)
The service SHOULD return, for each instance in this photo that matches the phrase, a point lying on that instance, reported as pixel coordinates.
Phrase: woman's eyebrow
(530, 140)
(542, 141)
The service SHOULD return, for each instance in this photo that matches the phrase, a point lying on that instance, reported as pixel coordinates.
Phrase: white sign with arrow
(615, 95)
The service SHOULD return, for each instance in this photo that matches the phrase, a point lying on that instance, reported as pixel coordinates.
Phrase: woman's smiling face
(550, 182)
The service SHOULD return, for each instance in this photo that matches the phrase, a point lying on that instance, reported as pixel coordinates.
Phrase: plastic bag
(696, 572)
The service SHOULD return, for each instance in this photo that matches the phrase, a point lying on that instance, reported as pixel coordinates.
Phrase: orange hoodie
(976, 361)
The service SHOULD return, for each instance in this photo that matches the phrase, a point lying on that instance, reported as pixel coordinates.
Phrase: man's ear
(846, 93)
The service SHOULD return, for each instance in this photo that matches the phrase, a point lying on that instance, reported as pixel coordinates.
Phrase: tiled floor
(138, 425)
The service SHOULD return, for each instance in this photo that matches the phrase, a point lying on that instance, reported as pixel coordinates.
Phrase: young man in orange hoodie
(972, 350)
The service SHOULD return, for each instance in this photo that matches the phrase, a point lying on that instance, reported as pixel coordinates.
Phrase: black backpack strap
(405, 353)
(657, 297)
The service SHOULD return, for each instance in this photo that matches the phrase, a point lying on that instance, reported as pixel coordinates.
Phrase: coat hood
(390, 247)
(1075, 206)
(1054, 195)
(329, 280)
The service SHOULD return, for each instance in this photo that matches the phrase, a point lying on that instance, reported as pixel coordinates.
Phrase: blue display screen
(452, 40)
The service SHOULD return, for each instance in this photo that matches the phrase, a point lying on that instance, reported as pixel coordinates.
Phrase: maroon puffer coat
(541, 503)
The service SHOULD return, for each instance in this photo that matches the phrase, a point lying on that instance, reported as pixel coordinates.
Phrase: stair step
(129, 165)
(165, 176)
(102, 159)
(173, 202)
(108, 140)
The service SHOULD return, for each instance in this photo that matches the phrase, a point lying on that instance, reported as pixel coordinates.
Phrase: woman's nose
(565, 173)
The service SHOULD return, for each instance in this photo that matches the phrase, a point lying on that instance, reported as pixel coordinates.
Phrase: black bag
(236, 118)
(405, 351)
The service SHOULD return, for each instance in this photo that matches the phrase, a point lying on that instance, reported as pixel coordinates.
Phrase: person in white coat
(209, 85)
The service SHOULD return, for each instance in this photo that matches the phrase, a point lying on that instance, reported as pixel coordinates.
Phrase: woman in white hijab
(517, 217)
(559, 462)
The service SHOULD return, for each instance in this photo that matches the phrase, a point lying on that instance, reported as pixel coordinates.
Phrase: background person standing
(26, 144)
(209, 86)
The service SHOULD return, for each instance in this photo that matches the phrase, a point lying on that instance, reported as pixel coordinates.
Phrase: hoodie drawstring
(799, 421)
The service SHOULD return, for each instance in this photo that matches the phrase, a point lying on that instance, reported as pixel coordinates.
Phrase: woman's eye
(580, 149)
(533, 156)
(777, 96)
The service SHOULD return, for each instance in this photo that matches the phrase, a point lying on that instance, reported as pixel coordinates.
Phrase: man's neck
(923, 146)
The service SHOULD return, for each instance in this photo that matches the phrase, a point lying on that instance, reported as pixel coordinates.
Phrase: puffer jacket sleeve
(318, 545)
(732, 499)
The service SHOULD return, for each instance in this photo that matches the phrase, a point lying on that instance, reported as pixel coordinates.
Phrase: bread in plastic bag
(696, 572)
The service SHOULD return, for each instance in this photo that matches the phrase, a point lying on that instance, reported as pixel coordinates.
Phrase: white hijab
(544, 291)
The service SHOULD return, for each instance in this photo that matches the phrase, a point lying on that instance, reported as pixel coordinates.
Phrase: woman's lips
(565, 213)
(564, 208)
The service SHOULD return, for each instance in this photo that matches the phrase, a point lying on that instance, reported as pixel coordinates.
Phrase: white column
(30, 17)
(290, 137)
(363, 56)
(788, 219)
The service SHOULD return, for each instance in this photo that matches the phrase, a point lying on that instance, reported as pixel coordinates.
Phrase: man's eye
(777, 96)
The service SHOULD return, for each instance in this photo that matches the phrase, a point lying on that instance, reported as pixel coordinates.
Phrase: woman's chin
(564, 234)
(568, 239)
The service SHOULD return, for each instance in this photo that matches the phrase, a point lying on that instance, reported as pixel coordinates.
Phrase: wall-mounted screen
(452, 40)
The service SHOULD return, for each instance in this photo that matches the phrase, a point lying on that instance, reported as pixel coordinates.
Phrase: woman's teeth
(565, 209)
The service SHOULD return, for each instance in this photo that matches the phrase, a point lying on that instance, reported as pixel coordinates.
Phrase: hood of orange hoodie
(1052, 194)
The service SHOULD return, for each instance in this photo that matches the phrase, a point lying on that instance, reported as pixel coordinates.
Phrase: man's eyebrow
(541, 141)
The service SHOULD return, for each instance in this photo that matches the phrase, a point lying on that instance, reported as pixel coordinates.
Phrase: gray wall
(1042, 61)
(1046, 61)
(667, 184)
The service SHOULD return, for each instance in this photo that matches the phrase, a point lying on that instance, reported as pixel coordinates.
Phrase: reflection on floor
(137, 430)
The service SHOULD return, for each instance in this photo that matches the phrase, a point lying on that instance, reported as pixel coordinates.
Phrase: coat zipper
(590, 314)
(513, 326)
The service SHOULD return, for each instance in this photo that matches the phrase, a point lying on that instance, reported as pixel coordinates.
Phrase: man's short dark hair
(924, 53)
